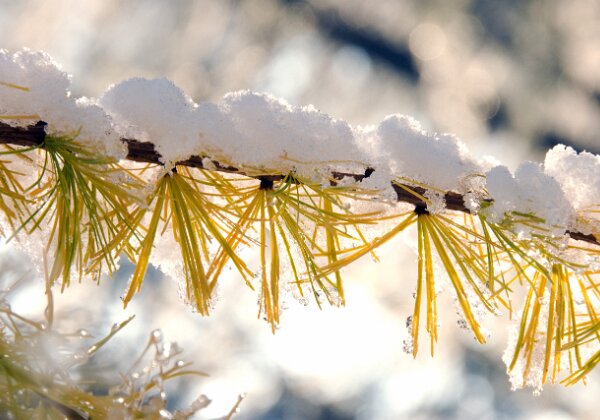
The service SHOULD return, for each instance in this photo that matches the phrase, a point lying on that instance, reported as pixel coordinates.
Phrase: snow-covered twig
(138, 151)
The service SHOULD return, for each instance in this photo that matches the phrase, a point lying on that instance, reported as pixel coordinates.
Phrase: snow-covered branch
(138, 151)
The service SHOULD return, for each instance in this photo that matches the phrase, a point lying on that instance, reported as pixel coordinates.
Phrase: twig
(235, 409)
(138, 151)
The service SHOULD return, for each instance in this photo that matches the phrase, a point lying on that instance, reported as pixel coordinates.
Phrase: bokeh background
(510, 78)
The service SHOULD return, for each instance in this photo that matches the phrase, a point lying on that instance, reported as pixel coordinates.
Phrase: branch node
(421, 209)
(266, 183)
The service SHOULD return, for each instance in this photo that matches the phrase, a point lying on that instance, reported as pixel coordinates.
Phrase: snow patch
(47, 97)
(441, 161)
(529, 192)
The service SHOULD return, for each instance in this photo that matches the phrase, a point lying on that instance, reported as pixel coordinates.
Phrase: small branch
(29, 136)
(138, 151)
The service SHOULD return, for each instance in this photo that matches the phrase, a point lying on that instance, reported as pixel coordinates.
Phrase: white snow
(251, 131)
(441, 161)
(274, 134)
(48, 98)
(154, 111)
(529, 191)
(578, 174)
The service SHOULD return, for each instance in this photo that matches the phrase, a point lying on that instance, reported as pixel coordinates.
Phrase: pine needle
(13, 203)
(82, 202)
(182, 202)
(301, 223)
(580, 374)
(564, 329)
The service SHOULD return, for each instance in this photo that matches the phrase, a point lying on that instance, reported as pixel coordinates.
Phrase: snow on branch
(34, 135)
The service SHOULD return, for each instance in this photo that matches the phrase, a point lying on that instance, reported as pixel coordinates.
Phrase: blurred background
(511, 79)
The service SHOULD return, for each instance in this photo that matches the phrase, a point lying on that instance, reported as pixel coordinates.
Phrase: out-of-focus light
(351, 66)
(290, 70)
(552, 415)
(337, 351)
(477, 398)
(410, 388)
(427, 41)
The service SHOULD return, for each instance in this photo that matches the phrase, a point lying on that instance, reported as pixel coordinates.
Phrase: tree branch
(138, 151)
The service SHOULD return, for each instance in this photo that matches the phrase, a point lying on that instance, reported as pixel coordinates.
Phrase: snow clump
(529, 192)
(33, 85)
